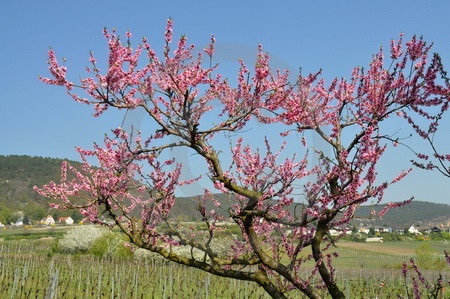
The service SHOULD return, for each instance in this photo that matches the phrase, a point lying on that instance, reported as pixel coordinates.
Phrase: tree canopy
(190, 104)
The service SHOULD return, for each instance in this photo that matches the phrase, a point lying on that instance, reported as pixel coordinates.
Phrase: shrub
(440, 236)
(358, 237)
(391, 237)
(110, 244)
(428, 259)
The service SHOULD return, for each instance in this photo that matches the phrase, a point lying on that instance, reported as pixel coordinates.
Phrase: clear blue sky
(39, 119)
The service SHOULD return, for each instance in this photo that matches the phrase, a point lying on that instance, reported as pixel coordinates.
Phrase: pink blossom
(261, 185)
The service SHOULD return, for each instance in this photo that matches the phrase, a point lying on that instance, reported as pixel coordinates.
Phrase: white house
(385, 229)
(66, 220)
(413, 230)
(48, 220)
(375, 239)
(333, 232)
(364, 230)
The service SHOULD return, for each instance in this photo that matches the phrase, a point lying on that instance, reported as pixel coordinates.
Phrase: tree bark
(332, 287)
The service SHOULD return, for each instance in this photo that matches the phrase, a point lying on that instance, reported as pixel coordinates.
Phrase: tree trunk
(332, 287)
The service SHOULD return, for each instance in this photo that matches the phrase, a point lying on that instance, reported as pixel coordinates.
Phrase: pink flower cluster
(190, 105)
(118, 184)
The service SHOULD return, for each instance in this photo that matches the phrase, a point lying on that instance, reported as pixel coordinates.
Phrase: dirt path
(378, 247)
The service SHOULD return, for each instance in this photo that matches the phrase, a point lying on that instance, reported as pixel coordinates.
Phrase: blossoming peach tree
(283, 245)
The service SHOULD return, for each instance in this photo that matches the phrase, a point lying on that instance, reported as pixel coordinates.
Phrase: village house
(333, 232)
(338, 231)
(413, 230)
(435, 230)
(364, 230)
(384, 230)
(48, 220)
(375, 239)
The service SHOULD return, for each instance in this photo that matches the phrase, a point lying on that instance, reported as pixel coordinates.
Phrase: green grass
(33, 233)
(438, 246)
(26, 255)
(368, 259)
(65, 276)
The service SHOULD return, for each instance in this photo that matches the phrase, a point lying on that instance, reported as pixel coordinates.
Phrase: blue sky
(39, 119)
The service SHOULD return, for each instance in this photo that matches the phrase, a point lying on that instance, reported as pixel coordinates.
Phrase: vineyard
(28, 269)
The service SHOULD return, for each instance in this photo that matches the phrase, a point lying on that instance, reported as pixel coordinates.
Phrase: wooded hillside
(18, 175)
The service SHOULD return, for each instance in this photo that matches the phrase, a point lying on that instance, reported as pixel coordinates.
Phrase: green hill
(18, 175)
(418, 213)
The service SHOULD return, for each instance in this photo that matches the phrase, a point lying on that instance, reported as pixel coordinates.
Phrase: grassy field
(29, 233)
(29, 269)
(399, 247)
